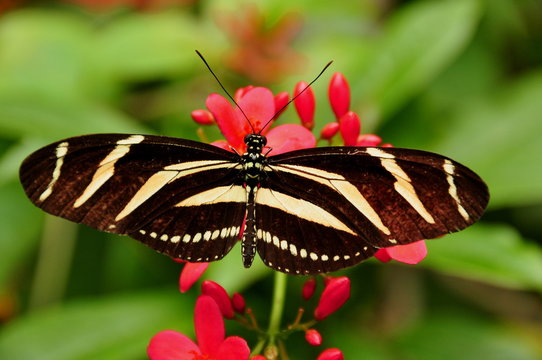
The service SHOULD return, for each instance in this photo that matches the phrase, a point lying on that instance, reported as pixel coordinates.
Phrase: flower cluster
(214, 305)
(261, 108)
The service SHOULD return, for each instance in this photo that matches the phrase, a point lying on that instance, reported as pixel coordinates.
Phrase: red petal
(331, 354)
(239, 93)
(289, 137)
(222, 144)
(308, 288)
(305, 104)
(171, 345)
(335, 294)
(382, 255)
(329, 130)
(408, 254)
(220, 296)
(281, 99)
(202, 117)
(339, 94)
(350, 125)
(190, 274)
(233, 348)
(231, 126)
(313, 337)
(368, 140)
(258, 357)
(259, 106)
(239, 303)
(209, 324)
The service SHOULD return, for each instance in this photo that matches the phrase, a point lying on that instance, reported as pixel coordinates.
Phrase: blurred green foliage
(459, 77)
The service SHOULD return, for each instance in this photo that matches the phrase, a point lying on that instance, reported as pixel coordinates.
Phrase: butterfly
(304, 212)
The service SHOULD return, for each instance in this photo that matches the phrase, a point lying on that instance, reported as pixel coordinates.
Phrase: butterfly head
(255, 143)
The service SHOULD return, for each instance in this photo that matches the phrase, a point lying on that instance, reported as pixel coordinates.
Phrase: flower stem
(277, 307)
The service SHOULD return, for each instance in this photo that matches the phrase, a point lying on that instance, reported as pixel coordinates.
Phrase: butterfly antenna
(226, 91)
(295, 97)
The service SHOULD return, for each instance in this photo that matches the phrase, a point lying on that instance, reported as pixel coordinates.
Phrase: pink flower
(335, 294)
(339, 95)
(305, 104)
(210, 333)
(331, 354)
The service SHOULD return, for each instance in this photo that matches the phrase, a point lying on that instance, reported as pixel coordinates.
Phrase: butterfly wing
(348, 198)
(159, 190)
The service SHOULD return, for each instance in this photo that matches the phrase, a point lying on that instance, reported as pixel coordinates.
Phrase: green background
(459, 77)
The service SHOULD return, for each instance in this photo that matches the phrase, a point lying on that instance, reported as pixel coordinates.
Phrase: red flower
(190, 274)
(220, 296)
(331, 354)
(408, 254)
(239, 303)
(209, 326)
(259, 105)
(335, 294)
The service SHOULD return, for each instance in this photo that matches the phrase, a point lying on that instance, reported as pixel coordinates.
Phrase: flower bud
(305, 104)
(281, 99)
(220, 296)
(331, 354)
(313, 337)
(335, 294)
(350, 125)
(238, 302)
(202, 117)
(308, 288)
(339, 95)
(329, 130)
(368, 140)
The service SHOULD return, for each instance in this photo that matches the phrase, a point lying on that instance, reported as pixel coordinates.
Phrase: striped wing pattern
(370, 197)
(143, 186)
(316, 210)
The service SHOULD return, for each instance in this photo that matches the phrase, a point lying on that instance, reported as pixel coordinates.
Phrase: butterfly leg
(248, 244)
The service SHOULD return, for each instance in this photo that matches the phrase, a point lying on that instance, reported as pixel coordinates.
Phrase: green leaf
(500, 138)
(463, 336)
(51, 118)
(418, 43)
(117, 327)
(491, 253)
(21, 223)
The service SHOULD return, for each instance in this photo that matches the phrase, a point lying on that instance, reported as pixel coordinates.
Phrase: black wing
(340, 204)
(180, 197)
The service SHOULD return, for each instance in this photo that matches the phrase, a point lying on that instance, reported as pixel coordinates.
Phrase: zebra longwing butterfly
(307, 211)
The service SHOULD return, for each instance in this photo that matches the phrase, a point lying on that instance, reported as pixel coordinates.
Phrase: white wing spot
(393, 241)
(324, 257)
(313, 256)
(293, 250)
(175, 239)
(207, 235)
(142, 232)
(224, 233)
(336, 258)
(215, 235)
(284, 245)
(196, 238)
(303, 253)
(186, 238)
(346, 257)
(153, 235)
(164, 237)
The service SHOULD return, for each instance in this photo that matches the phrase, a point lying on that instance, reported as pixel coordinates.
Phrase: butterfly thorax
(253, 162)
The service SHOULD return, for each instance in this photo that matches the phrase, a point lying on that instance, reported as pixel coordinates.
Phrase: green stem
(277, 307)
